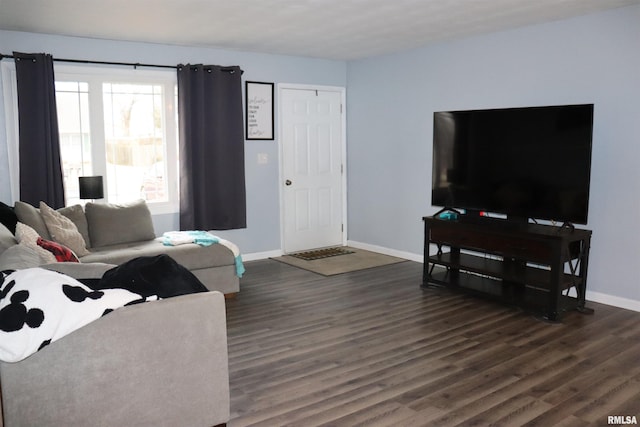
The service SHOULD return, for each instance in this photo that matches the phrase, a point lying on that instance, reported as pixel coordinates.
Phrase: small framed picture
(259, 110)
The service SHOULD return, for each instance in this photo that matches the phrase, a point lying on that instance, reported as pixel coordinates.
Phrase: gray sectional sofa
(117, 233)
(161, 363)
(157, 363)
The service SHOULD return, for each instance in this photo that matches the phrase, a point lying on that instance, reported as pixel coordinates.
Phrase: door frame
(289, 86)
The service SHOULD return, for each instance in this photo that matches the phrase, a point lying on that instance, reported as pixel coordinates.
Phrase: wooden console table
(528, 265)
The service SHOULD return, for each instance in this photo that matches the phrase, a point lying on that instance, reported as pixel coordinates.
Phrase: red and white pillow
(48, 251)
(28, 237)
(61, 252)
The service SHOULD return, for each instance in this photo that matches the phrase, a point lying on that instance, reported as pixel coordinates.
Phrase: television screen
(532, 162)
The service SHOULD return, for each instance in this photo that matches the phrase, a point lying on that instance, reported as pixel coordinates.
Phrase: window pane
(130, 137)
(134, 138)
(72, 101)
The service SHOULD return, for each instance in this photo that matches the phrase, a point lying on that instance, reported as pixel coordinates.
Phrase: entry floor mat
(321, 253)
(356, 259)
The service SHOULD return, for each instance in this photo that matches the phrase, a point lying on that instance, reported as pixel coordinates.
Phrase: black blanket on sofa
(157, 275)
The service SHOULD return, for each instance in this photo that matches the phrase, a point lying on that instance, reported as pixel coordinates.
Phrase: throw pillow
(111, 224)
(18, 257)
(63, 230)
(76, 214)
(8, 217)
(28, 237)
(61, 252)
(29, 215)
(7, 238)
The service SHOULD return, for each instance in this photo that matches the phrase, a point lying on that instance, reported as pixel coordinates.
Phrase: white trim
(613, 300)
(10, 97)
(95, 76)
(343, 100)
(386, 251)
(256, 256)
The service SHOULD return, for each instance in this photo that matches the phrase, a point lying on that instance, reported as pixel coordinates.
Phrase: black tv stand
(532, 266)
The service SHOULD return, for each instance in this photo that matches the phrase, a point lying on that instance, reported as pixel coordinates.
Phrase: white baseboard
(615, 301)
(386, 251)
(255, 256)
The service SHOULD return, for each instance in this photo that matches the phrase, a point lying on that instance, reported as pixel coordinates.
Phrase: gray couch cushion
(111, 224)
(92, 270)
(18, 257)
(7, 239)
(162, 363)
(190, 255)
(76, 214)
(30, 216)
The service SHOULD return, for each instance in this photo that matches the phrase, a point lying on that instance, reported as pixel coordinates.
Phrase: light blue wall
(390, 102)
(591, 59)
(263, 210)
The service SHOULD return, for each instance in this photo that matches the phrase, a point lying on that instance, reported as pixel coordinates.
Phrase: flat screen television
(525, 163)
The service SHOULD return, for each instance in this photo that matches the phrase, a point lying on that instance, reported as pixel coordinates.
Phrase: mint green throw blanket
(203, 238)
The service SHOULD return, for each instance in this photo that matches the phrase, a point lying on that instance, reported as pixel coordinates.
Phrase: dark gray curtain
(212, 184)
(41, 176)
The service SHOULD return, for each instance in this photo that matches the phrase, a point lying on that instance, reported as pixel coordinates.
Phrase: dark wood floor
(372, 348)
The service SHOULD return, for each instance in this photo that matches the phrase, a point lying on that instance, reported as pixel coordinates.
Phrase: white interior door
(312, 168)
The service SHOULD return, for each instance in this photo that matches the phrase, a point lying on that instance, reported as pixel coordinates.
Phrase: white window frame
(10, 97)
(95, 76)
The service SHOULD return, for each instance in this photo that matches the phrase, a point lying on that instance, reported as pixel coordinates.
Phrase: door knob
(287, 182)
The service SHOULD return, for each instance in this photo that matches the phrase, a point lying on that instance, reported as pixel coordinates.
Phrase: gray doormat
(358, 259)
(321, 253)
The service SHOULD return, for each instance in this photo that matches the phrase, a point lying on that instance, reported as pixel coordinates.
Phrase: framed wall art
(259, 110)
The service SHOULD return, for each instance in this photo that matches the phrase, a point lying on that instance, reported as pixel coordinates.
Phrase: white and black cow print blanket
(39, 306)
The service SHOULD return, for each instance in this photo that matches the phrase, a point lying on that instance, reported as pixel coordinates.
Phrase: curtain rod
(126, 64)
(84, 61)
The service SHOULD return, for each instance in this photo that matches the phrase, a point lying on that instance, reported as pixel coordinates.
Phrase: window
(121, 124)
(72, 100)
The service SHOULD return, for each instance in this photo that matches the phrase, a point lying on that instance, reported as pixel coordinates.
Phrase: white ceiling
(333, 29)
